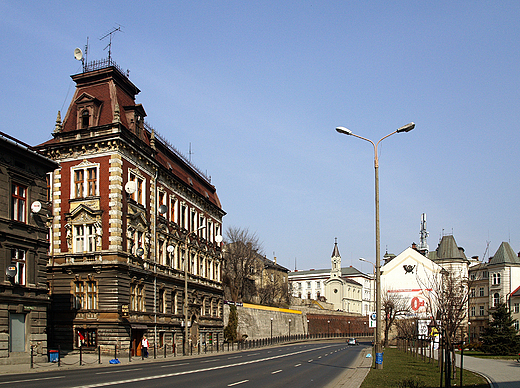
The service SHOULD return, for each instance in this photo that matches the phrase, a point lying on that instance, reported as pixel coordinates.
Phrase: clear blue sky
(258, 88)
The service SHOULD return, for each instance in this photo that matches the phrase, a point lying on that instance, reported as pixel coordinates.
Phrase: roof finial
(58, 127)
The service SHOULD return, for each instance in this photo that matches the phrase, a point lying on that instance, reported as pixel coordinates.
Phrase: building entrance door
(17, 332)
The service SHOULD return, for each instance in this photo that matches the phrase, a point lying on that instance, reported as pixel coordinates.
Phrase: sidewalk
(500, 373)
(354, 377)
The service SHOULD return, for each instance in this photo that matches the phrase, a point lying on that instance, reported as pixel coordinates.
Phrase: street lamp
(271, 331)
(328, 329)
(345, 131)
(289, 329)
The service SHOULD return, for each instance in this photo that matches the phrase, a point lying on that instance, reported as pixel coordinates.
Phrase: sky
(256, 89)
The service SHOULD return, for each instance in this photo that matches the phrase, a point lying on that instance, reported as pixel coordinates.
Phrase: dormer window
(85, 119)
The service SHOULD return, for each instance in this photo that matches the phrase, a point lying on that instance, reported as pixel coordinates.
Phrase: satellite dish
(11, 271)
(170, 248)
(218, 238)
(130, 187)
(78, 54)
(140, 252)
(36, 206)
(163, 209)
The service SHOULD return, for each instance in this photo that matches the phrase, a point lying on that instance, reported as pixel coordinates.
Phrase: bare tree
(240, 264)
(394, 306)
(448, 304)
(274, 292)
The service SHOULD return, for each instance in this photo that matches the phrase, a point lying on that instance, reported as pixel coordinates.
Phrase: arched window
(85, 119)
(496, 299)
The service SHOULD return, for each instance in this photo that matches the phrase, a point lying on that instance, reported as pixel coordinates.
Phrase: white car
(351, 341)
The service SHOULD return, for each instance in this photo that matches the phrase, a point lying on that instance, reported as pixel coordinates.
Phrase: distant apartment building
(493, 282)
(24, 299)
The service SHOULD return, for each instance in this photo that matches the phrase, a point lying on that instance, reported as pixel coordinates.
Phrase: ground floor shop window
(87, 338)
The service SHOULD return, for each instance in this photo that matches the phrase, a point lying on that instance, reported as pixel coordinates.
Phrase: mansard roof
(117, 114)
(505, 255)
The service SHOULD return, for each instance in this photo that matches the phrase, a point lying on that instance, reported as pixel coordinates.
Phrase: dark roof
(335, 252)
(447, 249)
(505, 255)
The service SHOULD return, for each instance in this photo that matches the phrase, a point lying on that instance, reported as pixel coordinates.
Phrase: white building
(347, 288)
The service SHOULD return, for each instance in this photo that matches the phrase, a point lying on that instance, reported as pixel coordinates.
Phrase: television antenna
(109, 45)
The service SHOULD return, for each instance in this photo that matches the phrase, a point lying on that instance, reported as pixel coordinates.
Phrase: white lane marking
(28, 380)
(297, 365)
(171, 366)
(209, 361)
(238, 382)
(117, 371)
(230, 358)
(139, 379)
(276, 371)
(310, 360)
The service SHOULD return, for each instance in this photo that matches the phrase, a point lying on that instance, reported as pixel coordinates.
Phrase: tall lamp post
(345, 131)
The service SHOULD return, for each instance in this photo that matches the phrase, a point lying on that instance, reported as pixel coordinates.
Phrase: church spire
(335, 261)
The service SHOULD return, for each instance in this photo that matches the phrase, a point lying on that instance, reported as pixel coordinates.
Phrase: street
(306, 365)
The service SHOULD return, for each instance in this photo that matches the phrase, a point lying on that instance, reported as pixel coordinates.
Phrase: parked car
(351, 341)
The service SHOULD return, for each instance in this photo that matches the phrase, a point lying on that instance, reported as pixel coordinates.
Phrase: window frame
(19, 202)
(84, 184)
(19, 260)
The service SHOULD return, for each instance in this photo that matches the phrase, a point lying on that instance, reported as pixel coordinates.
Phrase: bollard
(99, 354)
(130, 353)
(32, 357)
(154, 351)
(115, 352)
(80, 355)
(165, 349)
(59, 355)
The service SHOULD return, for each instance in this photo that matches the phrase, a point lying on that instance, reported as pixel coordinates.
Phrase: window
(162, 201)
(481, 291)
(138, 195)
(173, 211)
(485, 274)
(496, 279)
(91, 291)
(85, 295)
(481, 311)
(18, 260)
(496, 299)
(84, 238)
(175, 303)
(472, 311)
(162, 301)
(516, 325)
(137, 297)
(472, 293)
(85, 181)
(19, 197)
(87, 338)
(516, 308)
(85, 119)
(184, 216)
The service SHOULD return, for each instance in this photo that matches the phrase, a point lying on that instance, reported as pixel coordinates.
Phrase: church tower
(336, 261)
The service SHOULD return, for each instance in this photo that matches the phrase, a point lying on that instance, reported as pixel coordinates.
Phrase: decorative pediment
(86, 98)
(138, 220)
(83, 214)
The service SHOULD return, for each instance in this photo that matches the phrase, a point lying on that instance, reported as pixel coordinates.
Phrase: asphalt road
(304, 365)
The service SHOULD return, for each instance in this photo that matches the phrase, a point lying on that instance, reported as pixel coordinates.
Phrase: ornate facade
(135, 237)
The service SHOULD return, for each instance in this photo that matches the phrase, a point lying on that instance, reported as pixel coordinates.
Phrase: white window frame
(84, 236)
(139, 194)
(85, 167)
(19, 260)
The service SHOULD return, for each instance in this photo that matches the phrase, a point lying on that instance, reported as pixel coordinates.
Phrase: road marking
(27, 380)
(276, 371)
(310, 360)
(208, 361)
(117, 371)
(171, 366)
(238, 382)
(297, 365)
(140, 379)
(230, 358)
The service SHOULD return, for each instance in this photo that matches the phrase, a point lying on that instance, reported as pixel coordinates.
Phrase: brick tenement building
(23, 251)
(129, 212)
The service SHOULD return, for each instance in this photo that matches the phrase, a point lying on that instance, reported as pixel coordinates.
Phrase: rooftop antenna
(109, 45)
(423, 245)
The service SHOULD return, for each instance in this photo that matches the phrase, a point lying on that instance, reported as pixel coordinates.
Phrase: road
(304, 365)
